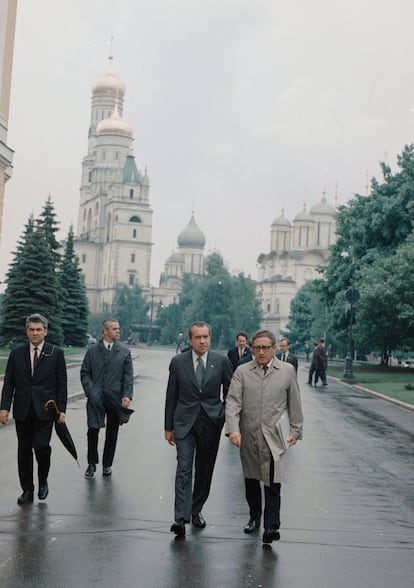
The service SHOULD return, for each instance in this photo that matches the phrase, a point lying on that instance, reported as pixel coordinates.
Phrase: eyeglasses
(262, 347)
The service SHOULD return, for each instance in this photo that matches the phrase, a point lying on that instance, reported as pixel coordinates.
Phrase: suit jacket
(105, 373)
(49, 381)
(292, 359)
(185, 399)
(234, 357)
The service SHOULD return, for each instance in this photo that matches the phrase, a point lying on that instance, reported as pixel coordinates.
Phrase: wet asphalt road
(347, 504)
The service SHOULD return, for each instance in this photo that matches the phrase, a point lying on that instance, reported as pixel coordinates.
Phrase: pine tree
(74, 300)
(48, 221)
(32, 286)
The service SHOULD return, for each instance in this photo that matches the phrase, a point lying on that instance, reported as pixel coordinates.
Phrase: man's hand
(4, 417)
(169, 436)
(126, 402)
(291, 440)
(61, 418)
(235, 439)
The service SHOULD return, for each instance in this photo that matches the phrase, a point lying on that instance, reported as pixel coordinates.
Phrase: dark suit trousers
(272, 500)
(198, 448)
(111, 437)
(33, 434)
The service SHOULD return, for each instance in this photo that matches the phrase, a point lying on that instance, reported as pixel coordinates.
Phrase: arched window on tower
(135, 219)
(131, 193)
(134, 233)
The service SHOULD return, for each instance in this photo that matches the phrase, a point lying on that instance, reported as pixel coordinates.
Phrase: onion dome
(303, 216)
(109, 83)
(176, 258)
(114, 125)
(323, 208)
(191, 236)
(281, 221)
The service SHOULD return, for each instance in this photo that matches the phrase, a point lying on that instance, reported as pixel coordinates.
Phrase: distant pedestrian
(285, 355)
(241, 352)
(321, 363)
(107, 380)
(260, 393)
(312, 367)
(35, 373)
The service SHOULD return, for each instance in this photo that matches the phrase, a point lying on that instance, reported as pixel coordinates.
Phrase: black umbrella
(114, 404)
(62, 431)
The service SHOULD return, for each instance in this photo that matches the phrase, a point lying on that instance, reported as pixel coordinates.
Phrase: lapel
(209, 369)
(27, 363)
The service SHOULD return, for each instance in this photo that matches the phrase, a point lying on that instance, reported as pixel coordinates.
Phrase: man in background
(107, 380)
(285, 355)
(241, 353)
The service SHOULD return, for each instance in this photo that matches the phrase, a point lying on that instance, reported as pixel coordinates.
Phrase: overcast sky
(240, 108)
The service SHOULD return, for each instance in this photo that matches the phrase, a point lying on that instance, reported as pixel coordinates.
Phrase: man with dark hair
(285, 355)
(241, 352)
(194, 417)
(108, 380)
(35, 373)
(260, 393)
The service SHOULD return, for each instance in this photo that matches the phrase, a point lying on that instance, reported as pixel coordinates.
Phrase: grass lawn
(389, 381)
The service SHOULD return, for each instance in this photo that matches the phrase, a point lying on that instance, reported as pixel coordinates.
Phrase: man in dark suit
(107, 380)
(194, 417)
(241, 353)
(285, 354)
(35, 373)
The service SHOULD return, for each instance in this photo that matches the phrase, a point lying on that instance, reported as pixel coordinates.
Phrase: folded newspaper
(283, 429)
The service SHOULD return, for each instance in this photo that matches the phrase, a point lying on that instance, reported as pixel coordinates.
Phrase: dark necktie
(265, 368)
(284, 357)
(199, 372)
(109, 347)
(35, 358)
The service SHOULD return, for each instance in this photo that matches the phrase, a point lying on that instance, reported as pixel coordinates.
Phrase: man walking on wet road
(35, 373)
(194, 417)
(259, 394)
(107, 379)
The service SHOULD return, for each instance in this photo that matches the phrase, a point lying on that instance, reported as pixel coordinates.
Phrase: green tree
(32, 286)
(369, 230)
(74, 300)
(129, 307)
(50, 225)
(385, 311)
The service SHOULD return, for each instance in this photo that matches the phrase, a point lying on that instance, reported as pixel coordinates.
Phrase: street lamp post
(351, 297)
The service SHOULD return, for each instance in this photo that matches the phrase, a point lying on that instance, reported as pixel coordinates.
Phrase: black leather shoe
(198, 520)
(252, 526)
(90, 471)
(26, 497)
(43, 491)
(178, 528)
(271, 535)
(107, 471)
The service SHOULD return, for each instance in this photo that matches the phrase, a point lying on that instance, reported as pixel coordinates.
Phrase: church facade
(297, 249)
(114, 231)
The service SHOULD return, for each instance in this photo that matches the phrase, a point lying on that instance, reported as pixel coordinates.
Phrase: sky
(240, 109)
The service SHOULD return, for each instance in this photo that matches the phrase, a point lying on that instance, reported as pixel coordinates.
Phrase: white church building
(114, 232)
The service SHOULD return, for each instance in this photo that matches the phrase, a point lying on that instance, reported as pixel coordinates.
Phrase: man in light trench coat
(259, 394)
